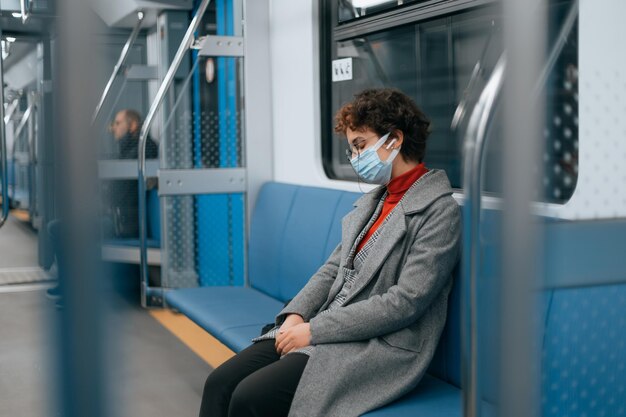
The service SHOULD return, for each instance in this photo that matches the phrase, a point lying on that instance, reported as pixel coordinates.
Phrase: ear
(133, 127)
(398, 135)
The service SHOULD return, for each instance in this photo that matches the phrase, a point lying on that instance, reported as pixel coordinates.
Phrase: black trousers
(254, 383)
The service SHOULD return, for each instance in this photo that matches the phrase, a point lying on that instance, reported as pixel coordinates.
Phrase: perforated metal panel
(584, 358)
(204, 233)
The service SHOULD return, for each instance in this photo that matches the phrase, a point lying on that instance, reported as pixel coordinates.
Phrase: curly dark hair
(384, 110)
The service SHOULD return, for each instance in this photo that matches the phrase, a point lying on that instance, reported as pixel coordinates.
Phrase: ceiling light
(362, 4)
(16, 15)
(6, 48)
(10, 39)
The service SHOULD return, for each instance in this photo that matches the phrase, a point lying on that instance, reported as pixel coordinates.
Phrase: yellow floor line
(196, 338)
(21, 215)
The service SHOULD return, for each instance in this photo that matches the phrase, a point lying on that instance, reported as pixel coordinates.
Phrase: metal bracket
(202, 181)
(219, 46)
(129, 254)
(141, 73)
(120, 169)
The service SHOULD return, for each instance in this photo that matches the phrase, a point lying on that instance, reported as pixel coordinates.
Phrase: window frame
(330, 31)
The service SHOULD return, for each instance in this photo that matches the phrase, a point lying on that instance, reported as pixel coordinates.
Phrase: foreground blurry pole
(524, 32)
(81, 379)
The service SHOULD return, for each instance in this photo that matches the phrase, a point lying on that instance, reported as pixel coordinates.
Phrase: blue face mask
(370, 168)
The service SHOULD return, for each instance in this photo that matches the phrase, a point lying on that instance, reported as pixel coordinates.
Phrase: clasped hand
(293, 334)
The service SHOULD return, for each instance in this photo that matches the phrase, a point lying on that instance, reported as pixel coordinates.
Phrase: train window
(431, 54)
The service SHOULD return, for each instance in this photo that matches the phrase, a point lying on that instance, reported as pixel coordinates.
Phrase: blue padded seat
(11, 173)
(584, 352)
(293, 231)
(154, 216)
(431, 398)
(153, 212)
(219, 310)
(238, 338)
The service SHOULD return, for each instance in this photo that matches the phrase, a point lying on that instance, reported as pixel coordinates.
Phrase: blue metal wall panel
(220, 218)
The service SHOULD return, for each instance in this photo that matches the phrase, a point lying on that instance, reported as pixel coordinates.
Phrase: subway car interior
(173, 177)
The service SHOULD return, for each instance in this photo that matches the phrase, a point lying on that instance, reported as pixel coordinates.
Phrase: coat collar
(425, 191)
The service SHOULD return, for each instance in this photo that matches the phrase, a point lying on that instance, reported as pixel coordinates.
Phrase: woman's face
(360, 140)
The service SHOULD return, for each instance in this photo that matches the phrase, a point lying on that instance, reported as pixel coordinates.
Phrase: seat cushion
(432, 398)
(239, 338)
(220, 309)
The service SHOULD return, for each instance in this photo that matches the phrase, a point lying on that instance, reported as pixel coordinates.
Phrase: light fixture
(10, 39)
(209, 70)
(363, 4)
(6, 48)
(16, 15)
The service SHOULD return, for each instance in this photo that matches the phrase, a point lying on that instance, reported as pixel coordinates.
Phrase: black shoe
(54, 293)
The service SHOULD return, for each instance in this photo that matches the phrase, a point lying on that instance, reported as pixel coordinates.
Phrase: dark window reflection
(431, 62)
(442, 62)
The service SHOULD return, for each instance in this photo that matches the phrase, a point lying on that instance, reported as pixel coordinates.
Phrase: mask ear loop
(358, 177)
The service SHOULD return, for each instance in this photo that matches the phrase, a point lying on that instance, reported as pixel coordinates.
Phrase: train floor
(18, 254)
(151, 372)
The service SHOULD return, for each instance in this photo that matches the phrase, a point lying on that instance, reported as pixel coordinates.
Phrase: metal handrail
(561, 40)
(11, 109)
(32, 128)
(25, 11)
(119, 65)
(24, 120)
(459, 113)
(143, 137)
(475, 140)
(3, 151)
(32, 158)
(474, 147)
(18, 132)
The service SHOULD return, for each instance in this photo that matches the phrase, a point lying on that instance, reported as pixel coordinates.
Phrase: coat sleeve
(314, 293)
(426, 271)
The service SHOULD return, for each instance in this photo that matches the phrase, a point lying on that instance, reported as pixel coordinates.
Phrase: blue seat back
(10, 172)
(446, 364)
(584, 352)
(154, 215)
(293, 230)
(583, 360)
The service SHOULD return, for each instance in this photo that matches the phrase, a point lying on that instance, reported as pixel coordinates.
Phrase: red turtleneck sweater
(395, 189)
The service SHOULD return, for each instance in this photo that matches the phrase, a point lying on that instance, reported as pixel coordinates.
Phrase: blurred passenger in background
(120, 197)
(125, 128)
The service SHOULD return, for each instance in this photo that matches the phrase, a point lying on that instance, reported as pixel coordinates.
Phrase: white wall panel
(295, 95)
(601, 188)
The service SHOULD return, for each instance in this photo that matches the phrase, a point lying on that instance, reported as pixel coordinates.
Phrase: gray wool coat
(378, 345)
